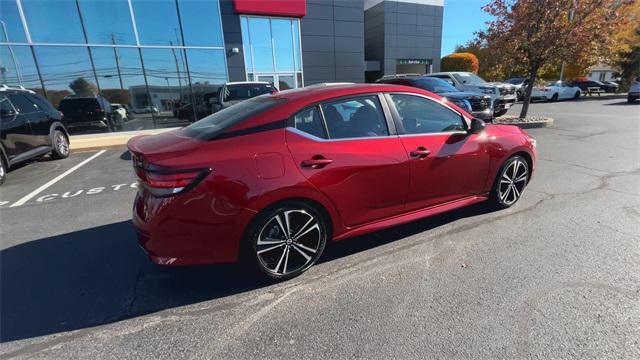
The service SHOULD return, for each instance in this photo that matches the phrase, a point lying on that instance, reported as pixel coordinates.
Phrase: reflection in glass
(260, 33)
(264, 38)
(200, 22)
(157, 22)
(283, 42)
(168, 87)
(65, 71)
(246, 47)
(286, 82)
(53, 21)
(107, 22)
(207, 72)
(10, 25)
(121, 81)
(17, 68)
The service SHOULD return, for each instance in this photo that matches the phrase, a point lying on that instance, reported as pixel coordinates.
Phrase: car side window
(423, 116)
(5, 107)
(40, 102)
(355, 117)
(22, 104)
(447, 79)
(310, 121)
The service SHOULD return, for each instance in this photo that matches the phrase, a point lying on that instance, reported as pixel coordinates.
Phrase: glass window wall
(146, 63)
(107, 21)
(272, 50)
(11, 26)
(53, 21)
(200, 22)
(157, 22)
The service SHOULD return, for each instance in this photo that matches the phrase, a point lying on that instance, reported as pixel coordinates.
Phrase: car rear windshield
(211, 126)
(469, 78)
(515, 81)
(236, 92)
(435, 85)
(71, 105)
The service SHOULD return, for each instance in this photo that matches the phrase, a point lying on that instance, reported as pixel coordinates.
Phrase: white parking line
(54, 180)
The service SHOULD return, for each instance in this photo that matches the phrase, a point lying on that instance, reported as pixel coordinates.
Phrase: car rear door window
(41, 103)
(22, 104)
(355, 117)
(310, 122)
(419, 115)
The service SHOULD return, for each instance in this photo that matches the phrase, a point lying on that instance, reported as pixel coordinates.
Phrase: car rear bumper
(185, 229)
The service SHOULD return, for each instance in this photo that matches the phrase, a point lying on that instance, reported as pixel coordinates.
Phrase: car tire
(278, 254)
(631, 100)
(554, 98)
(499, 113)
(510, 182)
(576, 96)
(60, 144)
(3, 170)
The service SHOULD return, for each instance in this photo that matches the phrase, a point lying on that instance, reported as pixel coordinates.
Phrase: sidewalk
(89, 142)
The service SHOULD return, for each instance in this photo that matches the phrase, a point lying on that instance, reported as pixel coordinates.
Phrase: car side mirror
(477, 126)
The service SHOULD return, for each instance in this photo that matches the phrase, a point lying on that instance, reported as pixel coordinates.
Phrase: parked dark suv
(88, 114)
(29, 127)
(478, 105)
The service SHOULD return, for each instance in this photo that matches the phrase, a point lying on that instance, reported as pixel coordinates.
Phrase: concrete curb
(547, 122)
(81, 143)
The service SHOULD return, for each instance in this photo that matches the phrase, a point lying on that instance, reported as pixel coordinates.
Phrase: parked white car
(503, 95)
(634, 91)
(555, 90)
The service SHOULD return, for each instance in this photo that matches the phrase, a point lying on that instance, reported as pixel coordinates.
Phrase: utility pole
(175, 58)
(571, 13)
(115, 54)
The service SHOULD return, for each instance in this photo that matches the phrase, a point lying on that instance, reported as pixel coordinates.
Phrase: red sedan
(272, 179)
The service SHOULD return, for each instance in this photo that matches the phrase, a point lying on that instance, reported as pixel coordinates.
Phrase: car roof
(312, 94)
(448, 73)
(247, 82)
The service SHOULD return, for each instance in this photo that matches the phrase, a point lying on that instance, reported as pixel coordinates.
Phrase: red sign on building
(291, 8)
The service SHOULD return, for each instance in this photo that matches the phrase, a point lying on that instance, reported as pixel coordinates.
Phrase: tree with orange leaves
(533, 33)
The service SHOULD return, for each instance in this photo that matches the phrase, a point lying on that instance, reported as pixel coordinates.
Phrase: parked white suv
(503, 95)
(634, 91)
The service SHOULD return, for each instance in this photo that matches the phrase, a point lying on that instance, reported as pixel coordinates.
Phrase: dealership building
(150, 55)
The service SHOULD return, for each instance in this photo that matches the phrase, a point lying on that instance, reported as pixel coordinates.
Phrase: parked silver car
(503, 95)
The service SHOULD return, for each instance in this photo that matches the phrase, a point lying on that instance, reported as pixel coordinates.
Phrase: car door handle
(420, 152)
(316, 163)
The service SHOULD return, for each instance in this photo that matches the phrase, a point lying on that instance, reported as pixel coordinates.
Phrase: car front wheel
(510, 182)
(287, 240)
(60, 145)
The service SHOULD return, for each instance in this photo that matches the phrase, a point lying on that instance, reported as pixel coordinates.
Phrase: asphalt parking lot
(556, 276)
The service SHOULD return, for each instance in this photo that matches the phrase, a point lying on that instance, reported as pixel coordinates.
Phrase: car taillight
(165, 183)
(98, 110)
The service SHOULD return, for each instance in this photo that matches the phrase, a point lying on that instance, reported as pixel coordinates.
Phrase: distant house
(601, 72)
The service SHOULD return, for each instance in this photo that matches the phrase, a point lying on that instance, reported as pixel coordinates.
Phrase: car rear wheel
(576, 96)
(512, 178)
(554, 98)
(60, 145)
(287, 240)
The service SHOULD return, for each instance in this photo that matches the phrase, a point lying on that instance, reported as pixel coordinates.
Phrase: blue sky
(461, 19)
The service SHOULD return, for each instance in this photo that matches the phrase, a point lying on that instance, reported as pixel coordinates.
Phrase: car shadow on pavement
(99, 276)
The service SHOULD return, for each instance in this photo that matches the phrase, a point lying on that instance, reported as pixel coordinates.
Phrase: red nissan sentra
(272, 179)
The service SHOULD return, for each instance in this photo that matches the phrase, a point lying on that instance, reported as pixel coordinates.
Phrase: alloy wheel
(61, 144)
(289, 242)
(513, 181)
